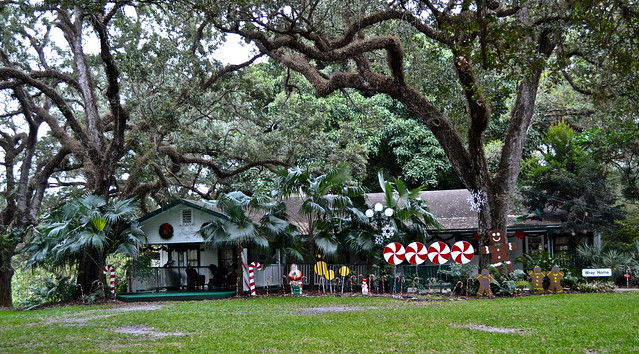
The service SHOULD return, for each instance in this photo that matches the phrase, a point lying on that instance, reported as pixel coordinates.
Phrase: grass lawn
(557, 323)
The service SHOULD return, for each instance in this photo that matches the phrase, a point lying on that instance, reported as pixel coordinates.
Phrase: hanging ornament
(379, 239)
(166, 231)
(475, 200)
(520, 234)
(388, 231)
(476, 236)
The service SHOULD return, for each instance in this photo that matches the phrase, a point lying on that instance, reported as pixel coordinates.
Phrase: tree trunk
(6, 274)
(90, 270)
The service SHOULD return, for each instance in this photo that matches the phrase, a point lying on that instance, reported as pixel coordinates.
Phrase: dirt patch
(145, 331)
(329, 309)
(490, 328)
(146, 307)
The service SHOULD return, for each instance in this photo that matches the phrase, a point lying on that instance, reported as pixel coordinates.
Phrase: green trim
(182, 202)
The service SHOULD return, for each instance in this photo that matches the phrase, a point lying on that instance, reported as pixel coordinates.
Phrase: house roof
(199, 205)
(452, 210)
(450, 207)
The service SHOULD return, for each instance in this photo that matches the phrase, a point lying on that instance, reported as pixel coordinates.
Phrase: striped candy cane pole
(111, 271)
(252, 267)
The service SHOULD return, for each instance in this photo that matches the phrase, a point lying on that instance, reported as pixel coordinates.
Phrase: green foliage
(543, 259)
(88, 222)
(564, 177)
(49, 290)
(596, 286)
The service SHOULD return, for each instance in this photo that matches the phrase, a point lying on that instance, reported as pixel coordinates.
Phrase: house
(182, 260)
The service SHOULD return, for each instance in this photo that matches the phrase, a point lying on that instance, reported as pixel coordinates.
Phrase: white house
(180, 257)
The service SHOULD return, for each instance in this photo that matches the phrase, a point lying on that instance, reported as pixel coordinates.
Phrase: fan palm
(254, 221)
(84, 232)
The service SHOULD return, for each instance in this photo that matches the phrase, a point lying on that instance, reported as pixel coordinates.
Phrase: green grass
(557, 323)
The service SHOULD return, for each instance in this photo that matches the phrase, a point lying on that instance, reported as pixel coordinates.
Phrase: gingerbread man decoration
(555, 276)
(485, 278)
(537, 279)
(498, 249)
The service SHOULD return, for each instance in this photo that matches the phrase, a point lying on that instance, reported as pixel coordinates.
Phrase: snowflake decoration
(387, 231)
(379, 239)
(476, 201)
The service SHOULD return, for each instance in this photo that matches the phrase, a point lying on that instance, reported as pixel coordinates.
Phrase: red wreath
(520, 234)
(166, 231)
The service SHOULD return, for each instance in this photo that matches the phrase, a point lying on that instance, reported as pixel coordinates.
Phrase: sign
(601, 272)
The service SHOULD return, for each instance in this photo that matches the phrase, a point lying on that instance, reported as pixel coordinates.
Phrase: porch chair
(194, 280)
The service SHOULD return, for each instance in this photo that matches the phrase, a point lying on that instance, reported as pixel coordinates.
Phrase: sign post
(596, 273)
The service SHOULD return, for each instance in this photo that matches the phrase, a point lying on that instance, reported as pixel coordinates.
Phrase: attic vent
(187, 217)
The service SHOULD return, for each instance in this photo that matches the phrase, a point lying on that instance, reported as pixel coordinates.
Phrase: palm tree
(411, 219)
(256, 221)
(82, 233)
(325, 201)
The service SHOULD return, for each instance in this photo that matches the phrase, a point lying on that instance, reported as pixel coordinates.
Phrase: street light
(379, 214)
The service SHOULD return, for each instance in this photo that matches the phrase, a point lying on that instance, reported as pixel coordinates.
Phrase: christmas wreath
(166, 231)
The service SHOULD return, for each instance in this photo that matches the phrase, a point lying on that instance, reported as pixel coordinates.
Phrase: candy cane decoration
(252, 267)
(111, 271)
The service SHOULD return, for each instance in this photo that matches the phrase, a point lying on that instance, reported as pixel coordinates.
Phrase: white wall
(181, 233)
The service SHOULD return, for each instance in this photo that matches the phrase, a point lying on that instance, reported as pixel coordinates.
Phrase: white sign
(602, 272)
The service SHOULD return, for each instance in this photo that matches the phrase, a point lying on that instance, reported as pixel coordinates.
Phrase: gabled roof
(198, 205)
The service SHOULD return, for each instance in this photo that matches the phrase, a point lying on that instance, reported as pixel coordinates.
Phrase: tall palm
(251, 221)
(85, 231)
(324, 201)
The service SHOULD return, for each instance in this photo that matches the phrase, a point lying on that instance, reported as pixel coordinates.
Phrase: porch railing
(274, 275)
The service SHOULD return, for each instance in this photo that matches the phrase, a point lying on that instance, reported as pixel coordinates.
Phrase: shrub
(596, 287)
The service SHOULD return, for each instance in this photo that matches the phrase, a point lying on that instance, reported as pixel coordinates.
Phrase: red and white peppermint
(462, 252)
(394, 253)
(252, 267)
(416, 253)
(438, 253)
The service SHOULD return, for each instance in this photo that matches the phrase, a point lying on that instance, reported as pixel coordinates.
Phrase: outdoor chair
(194, 280)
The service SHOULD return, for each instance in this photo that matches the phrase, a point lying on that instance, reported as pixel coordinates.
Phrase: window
(187, 216)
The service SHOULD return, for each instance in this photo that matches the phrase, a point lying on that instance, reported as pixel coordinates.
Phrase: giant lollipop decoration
(394, 253)
(416, 253)
(462, 252)
(438, 253)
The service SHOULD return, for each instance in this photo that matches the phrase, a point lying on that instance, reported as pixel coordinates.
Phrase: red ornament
(476, 236)
(520, 234)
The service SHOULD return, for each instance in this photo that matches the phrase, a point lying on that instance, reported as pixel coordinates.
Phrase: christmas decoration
(438, 253)
(394, 253)
(462, 252)
(476, 201)
(166, 231)
(295, 277)
(416, 253)
(111, 272)
(252, 267)
(498, 249)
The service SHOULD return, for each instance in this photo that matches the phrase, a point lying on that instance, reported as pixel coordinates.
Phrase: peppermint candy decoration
(394, 253)
(439, 253)
(462, 252)
(416, 253)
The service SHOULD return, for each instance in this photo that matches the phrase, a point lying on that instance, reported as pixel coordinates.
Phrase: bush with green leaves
(596, 287)
(457, 273)
(53, 289)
